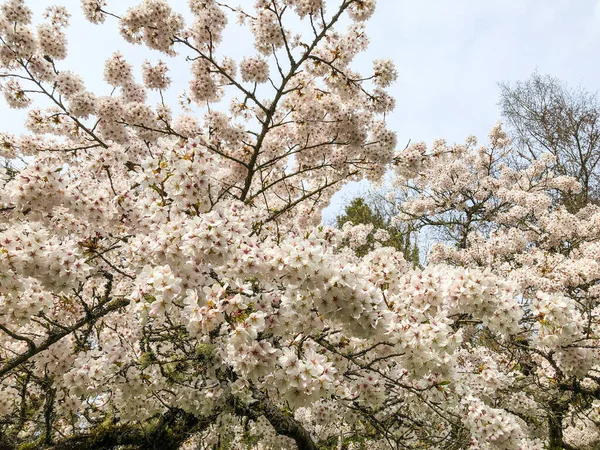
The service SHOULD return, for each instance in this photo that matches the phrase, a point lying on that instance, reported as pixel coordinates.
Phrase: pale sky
(450, 55)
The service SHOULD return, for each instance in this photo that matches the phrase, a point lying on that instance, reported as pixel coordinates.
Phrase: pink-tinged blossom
(152, 261)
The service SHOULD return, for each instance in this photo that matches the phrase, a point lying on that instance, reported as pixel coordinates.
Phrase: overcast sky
(450, 55)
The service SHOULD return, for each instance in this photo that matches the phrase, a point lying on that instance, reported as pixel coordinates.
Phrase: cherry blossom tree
(514, 223)
(165, 281)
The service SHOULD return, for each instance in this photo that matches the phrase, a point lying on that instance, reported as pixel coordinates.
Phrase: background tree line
(542, 115)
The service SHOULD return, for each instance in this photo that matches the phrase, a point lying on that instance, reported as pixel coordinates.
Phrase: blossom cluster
(515, 223)
(156, 265)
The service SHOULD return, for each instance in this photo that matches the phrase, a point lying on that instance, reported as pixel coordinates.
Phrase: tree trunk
(555, 426)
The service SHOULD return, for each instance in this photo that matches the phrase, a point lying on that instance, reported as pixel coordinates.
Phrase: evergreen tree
(359, 212)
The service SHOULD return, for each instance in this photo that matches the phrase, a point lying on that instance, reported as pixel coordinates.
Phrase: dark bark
(284, 424)
(555, 426)
(171, 431)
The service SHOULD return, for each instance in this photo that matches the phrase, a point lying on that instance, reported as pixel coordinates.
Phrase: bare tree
(545, 115)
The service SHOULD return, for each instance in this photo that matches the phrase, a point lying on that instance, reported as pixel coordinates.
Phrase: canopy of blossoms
(165, 282)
